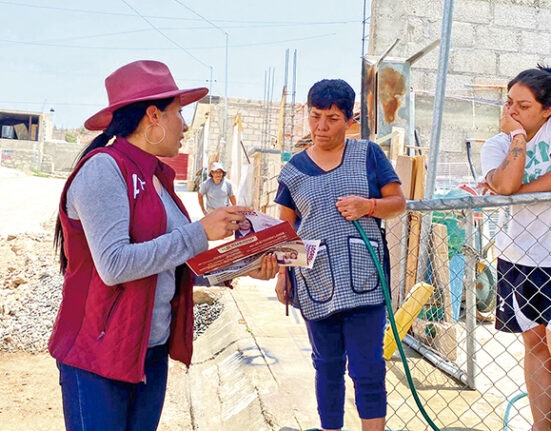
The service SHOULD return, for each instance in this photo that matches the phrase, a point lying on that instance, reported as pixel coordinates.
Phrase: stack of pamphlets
(258, 235)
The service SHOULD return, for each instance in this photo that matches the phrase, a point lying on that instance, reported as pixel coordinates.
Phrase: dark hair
(250, 223)
(124, 123)
(329, 92)
(538, 81)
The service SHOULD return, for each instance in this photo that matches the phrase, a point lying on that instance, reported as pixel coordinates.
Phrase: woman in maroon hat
(124, 238)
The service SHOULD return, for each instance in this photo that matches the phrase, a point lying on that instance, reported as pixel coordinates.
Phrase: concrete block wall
(47, 157)
(20, 154)
(60, 157)
(253, 114)
(492, 41)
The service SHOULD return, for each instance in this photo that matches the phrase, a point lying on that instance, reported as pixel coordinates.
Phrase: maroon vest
(105, 329)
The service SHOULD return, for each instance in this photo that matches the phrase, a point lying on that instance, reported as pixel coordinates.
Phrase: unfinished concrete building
(491, 42)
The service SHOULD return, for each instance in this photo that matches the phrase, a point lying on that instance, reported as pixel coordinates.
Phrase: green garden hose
(508, 410)
(393, 324)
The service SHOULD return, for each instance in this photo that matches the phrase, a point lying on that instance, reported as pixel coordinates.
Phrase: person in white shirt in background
(518, 160)
(217, 189)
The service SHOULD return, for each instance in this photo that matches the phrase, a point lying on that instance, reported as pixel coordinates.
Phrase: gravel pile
(30, 293)
(204, 315)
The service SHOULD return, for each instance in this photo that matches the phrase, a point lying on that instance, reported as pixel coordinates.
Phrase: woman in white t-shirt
(518, 160)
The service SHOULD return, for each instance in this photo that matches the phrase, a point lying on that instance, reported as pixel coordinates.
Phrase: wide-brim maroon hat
(138, 81)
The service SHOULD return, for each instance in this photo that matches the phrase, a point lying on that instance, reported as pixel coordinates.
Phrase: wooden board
(395, 231)
(440, 336)
(419, 174)
(417, 192)
(441, 268)
(411, 171)
(397, 143)
(258, 179)
(21, 131)
(413, 249)
(34, 132)
(404, 169)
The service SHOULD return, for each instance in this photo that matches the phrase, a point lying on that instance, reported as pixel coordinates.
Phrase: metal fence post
(403, 254)
(436, 130)
(470, 298)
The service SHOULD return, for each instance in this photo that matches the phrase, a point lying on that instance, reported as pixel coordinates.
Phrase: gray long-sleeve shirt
(98, 198)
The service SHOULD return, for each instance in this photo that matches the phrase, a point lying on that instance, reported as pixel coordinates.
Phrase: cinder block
(534, 42)
(472, 11)
(497, 38)
(433, 30)
(417, 30)
(385, 7)
(475, 61)
(521, 16)
(455, 83)
(463, 35)
(511, 64)
(386, 33)
(423, 8)
(457, 120)
(529, 3)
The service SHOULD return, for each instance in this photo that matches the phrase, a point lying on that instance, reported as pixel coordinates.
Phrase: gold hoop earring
(160, 140)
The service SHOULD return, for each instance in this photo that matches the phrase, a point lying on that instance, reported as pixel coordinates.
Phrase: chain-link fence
(466, 372)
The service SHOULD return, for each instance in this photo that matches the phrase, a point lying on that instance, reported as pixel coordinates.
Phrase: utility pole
(284, 102)
(293, 97)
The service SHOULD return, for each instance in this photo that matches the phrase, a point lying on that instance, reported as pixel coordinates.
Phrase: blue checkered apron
(344, 275)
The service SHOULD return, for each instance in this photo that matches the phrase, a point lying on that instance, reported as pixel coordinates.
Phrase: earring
(160, 140)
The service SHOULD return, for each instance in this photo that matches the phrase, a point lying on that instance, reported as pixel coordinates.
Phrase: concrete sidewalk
(252, 370)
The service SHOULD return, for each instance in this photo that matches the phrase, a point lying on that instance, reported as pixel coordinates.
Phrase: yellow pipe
(406, 314)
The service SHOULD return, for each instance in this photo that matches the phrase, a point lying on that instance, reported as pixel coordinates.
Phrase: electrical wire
(165, 36)
(143, 30)
(178, 46)
(201, 16)
(100, 12)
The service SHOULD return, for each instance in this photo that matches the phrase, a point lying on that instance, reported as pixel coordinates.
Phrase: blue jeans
(356, 335)
(95, 403)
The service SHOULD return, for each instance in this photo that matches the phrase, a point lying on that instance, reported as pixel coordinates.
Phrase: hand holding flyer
(297, 253)
(260, 234)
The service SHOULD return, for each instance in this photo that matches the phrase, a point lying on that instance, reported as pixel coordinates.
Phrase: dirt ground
(30, 396)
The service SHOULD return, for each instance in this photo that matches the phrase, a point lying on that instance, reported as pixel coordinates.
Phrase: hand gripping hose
(393, 324)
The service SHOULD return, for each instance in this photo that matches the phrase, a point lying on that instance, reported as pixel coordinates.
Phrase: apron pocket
(363, 273)
(319, 281)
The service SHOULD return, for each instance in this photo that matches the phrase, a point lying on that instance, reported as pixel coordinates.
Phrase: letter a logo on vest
(137, 182)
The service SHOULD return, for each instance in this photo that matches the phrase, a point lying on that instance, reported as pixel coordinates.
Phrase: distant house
(27, 143)
(22, 136)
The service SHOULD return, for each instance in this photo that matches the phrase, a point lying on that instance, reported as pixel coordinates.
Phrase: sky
(57, 54)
